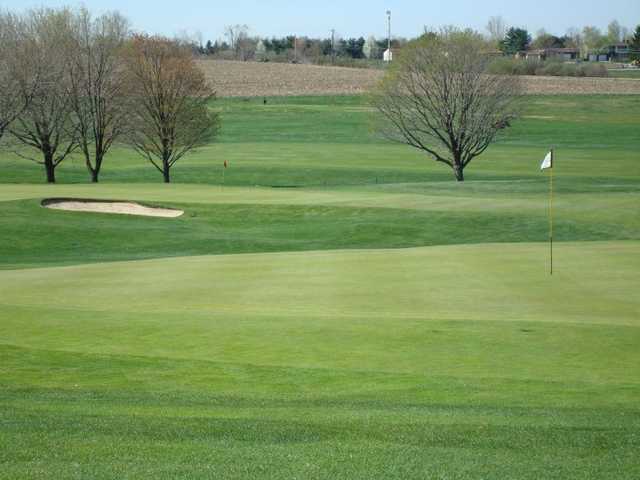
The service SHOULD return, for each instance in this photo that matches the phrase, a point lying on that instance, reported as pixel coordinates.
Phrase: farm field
(339, 308)
(251, 79)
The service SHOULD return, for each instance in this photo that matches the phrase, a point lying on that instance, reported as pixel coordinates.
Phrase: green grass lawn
(624, 73)
(373, 319)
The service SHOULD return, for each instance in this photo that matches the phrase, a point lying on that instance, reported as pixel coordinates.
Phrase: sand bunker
(108, 206)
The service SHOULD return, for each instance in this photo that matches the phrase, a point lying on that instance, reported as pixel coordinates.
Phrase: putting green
(511, 281)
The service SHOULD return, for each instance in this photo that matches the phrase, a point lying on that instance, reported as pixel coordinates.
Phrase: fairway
(339, 308)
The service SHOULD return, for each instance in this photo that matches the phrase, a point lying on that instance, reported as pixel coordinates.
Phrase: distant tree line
(238, 44)
(588, 40)
(75, 84)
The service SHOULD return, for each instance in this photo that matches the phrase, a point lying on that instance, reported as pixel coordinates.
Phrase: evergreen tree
(546, 40)
(326, 47)
(355, 47)
(516, 40)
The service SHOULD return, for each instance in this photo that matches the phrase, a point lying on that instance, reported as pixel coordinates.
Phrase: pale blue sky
(352, 17)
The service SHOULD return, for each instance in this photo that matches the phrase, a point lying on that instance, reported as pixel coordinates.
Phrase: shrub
(548, 68)
(511, 66)
(551, 69)
(594, 70)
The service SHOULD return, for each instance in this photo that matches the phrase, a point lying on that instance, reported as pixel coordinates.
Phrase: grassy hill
(341, 308)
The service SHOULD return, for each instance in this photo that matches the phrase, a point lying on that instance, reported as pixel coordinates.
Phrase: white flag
(547, 162)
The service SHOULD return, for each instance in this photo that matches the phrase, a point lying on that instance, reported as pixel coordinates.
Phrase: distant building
(563, 54)
(598, 57)
(619, 52)
(388, 55)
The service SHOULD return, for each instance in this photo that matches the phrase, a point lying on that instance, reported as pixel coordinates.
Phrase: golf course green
(335, 306)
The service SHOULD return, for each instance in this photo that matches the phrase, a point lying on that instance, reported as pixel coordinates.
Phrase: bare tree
(592, 40)
(614, 32)
(497, 29)
(193, 40)
(19, 72)
(625, 34)
(46, 123)
(97, 84)
(439, 99)
(169, 110)
(573, 38)
(238, 38)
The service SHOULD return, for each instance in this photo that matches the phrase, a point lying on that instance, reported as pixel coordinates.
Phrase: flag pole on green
(547, 164)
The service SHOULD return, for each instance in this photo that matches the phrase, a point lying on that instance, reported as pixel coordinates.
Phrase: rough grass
(300, 223)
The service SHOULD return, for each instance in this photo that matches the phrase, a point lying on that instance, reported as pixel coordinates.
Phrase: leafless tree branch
(438, 98)
(169, 109)
(97, 85)
(46, 123)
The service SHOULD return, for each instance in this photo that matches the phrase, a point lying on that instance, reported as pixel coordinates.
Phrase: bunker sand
(114, 207)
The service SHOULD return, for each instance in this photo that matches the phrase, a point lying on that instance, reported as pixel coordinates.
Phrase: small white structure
(388, 55)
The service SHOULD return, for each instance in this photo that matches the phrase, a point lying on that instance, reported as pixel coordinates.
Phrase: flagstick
(551, 210)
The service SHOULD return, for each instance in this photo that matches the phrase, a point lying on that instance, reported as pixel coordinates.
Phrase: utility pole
(389, 55)
(551, 209)
(389, 31)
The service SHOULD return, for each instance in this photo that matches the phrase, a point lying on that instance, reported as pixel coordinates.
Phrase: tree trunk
(49, 168)
(458, 172)
(94, 172)
(166, 167)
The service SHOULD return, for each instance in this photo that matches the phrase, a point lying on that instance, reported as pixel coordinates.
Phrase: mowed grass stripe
(148, 384)
(163, 446)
